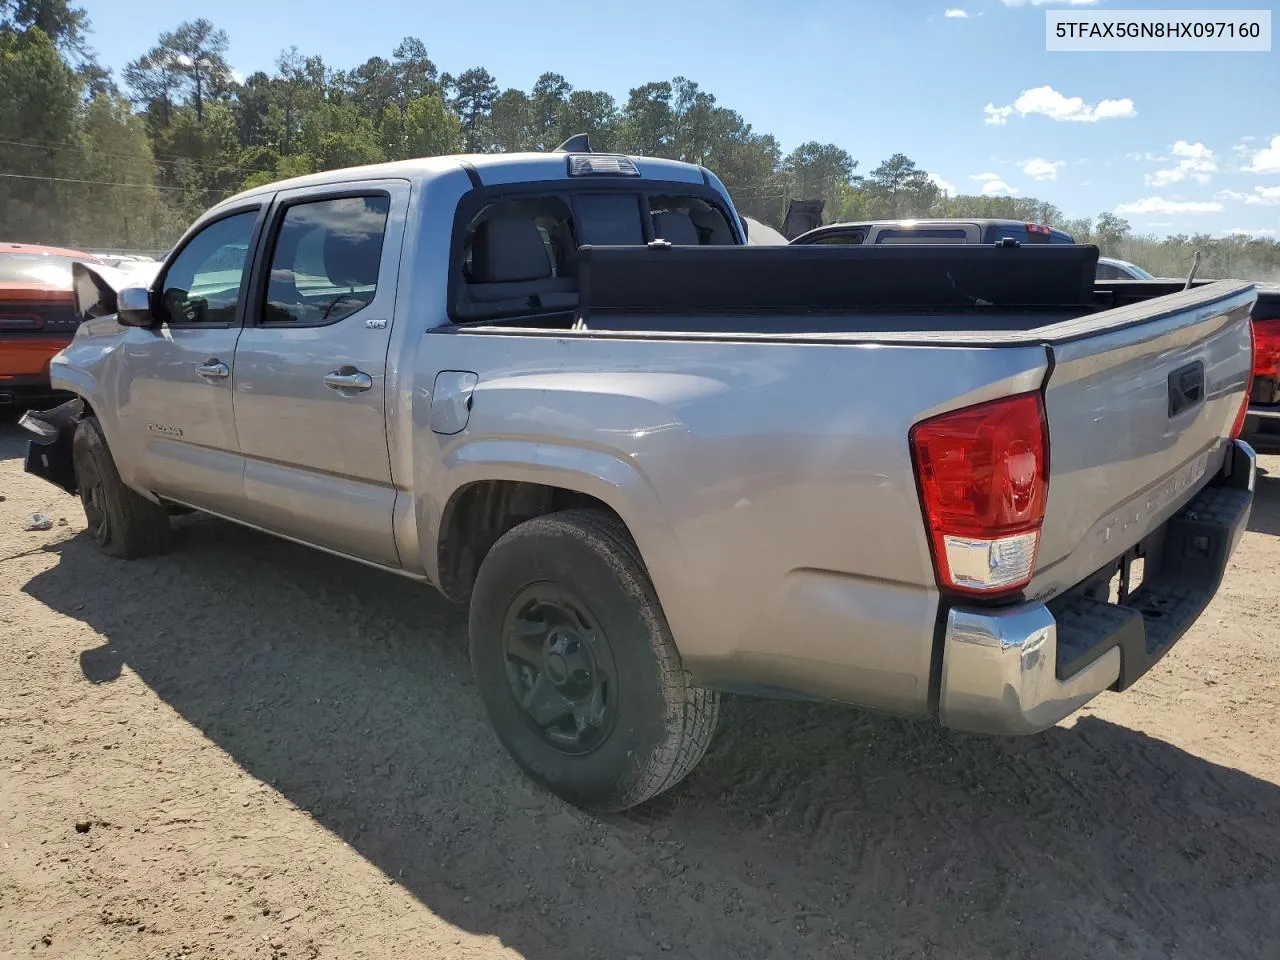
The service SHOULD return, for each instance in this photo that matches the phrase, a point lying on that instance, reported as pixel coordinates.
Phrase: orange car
(37, 317)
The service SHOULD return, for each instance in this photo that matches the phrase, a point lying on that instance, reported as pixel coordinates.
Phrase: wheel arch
(491, 486)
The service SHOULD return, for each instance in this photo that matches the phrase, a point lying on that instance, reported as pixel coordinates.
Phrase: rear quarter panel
(769, 486)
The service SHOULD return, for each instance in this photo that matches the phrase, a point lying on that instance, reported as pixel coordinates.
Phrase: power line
(159, 157)
(96, 183)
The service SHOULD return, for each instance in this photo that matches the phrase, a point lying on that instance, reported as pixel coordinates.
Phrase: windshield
(36, 268)
(1138, 272)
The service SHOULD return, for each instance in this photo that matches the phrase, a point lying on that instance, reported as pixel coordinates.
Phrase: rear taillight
(1266, 348)
(983, 474)
(1038, 228)
(1238, 426)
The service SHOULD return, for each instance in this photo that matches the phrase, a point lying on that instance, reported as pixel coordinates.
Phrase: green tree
(374, 86)
(901, 187)
(116, 156)
(547, 112)
(592, 112)
(62, 23)
(647, 126)
(155, 78)
(818, 170)
(39, 115)
(427, 129)
(300, 84)
(252, 109)
(509, 122)
(201, 53)
(473, 94)
(414, 73)
(1109, 231)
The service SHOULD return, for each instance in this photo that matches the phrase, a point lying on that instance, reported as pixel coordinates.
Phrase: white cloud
(947, 188)
(1048, 102)
(1038, 169)
(1261, 196)
(1266, 160)
(994, 186)
(997, 116)
(1170, 208)
(1250, 231)
(1041, 3)
(1195, 161)
(955, 13)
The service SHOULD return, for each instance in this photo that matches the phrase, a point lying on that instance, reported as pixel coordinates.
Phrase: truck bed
(923, 330)
(862, 294)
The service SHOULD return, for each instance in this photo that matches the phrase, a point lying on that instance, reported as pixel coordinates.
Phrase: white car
(1109, 268)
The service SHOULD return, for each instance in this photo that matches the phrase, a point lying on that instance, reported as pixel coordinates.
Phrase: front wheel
(576, 665)
(121, 521)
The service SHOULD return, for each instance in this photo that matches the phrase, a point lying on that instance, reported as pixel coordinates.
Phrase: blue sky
(1175, 142)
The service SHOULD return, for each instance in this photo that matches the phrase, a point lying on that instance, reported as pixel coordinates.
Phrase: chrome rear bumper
(1022, 669)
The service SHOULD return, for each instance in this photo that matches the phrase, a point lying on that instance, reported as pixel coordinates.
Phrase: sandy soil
(248, 749)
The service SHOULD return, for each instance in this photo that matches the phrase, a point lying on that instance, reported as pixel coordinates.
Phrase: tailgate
(1139, 417)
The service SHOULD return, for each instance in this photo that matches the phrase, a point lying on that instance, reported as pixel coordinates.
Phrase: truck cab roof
(485, 170)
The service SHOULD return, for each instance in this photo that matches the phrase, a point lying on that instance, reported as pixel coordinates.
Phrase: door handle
(213, 369)
(348, 380)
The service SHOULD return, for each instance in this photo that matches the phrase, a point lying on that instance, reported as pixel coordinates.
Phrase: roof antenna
(578, 143)
(1195, 265)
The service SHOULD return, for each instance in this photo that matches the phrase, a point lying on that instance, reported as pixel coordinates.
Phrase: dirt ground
(251, 750)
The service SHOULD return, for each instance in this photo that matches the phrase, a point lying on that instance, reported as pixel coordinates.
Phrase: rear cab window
(516, 254)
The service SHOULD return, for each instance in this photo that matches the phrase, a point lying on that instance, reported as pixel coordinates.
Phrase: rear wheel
(576, 665)
(122, 522)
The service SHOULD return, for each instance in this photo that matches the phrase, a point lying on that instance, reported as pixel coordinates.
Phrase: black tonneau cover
(1120, 292)
(800, 278)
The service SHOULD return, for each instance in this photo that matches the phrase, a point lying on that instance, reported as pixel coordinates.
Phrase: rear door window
(325, 260)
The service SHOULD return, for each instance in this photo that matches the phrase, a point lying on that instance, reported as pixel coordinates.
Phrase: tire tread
(692, 711)
(139, 528)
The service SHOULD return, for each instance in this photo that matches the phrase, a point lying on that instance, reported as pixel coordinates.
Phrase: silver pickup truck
(949, 482)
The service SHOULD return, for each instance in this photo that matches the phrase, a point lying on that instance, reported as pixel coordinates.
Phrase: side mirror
(133, 307)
